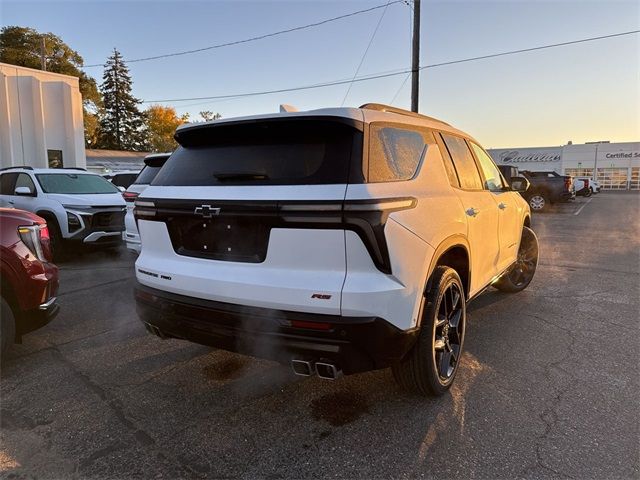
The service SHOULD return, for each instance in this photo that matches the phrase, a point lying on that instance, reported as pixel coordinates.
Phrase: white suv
(152, 165)
(79, 206)
(339, 240)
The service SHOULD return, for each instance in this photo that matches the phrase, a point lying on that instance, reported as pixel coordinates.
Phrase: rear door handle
(472, 212)
(502, 206)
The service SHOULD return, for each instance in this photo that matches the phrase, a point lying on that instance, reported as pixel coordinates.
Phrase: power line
(393, 73)
(253, 39)
(375, 30)
(523, 50)
(400, 88)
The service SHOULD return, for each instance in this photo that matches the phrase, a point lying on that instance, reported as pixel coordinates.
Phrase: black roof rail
(25, 167)
(74, 168)
(380, 107)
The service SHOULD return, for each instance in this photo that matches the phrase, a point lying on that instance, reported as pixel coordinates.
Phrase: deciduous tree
(161, 125)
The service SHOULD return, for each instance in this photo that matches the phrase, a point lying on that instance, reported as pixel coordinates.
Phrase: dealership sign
(515, 156)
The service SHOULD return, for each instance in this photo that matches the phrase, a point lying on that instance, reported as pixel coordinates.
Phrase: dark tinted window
(464, 162)
(24, 180)
(147, 175)
(124, 179)
(264, 153)
(55, 158)
(7, 183)
(394, 153)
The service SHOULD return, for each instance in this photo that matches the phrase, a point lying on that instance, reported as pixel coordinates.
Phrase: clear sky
(584, 92)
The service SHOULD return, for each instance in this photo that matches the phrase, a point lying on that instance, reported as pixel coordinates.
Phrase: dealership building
(615, 165)
(41, 122)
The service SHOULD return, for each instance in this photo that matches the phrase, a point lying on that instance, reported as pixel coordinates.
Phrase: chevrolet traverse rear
(337, 240)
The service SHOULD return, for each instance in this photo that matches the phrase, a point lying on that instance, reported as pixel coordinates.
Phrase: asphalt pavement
(549, 385)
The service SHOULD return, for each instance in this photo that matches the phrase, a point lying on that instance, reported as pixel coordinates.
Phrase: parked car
(585, 186)
(79, 206)
(548, 188)
(122, 179)
(152, 165)
(336, 240)
(28, 279)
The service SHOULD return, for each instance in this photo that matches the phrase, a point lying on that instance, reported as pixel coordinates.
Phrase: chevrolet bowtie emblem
(207, 211)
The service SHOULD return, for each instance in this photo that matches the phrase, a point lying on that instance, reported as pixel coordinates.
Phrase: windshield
(264, 153)
(74, 183)
(147, 174)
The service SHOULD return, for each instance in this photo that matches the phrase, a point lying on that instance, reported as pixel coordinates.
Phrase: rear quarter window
(394, 153)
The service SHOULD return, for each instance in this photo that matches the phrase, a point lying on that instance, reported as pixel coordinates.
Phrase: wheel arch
(452, 252)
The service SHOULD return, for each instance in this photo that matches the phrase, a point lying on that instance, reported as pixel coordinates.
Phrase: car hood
(89, 200)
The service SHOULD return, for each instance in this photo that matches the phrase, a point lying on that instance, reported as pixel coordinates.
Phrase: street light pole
(415, 57)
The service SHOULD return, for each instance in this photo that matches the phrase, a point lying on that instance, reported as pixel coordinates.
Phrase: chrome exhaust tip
(155, 331)
(304, 368)
(328, 371)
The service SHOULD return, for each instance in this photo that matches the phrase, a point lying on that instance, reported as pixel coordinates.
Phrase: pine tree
(122, 125)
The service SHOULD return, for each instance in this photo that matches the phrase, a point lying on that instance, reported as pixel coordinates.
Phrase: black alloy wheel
(449, 332)
(430, 367)
(521, 273)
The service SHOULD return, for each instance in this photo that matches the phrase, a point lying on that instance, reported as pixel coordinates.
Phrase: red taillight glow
(130, 196)
(311, 325)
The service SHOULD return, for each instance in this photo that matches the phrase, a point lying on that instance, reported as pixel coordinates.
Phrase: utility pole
(43, 54)
(415, 57)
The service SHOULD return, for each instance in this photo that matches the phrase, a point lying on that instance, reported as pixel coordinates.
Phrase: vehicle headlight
(73, 222)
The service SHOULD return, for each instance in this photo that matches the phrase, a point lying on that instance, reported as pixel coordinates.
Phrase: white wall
(39, 111)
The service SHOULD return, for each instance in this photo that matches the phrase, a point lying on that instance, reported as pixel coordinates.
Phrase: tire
(7, 327)
(431, 366)
(520, 274)
(538, 202)
(589, 192)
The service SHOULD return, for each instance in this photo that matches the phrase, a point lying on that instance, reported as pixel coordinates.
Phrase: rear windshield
(73, 183)
(147, 175)
(264, 153)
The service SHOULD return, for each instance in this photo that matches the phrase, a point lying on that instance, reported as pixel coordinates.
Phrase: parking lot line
(585, 204)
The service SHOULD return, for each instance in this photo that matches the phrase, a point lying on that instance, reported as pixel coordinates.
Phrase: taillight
(567, 183)
(130, 196)
(144, 209)
(37, 240)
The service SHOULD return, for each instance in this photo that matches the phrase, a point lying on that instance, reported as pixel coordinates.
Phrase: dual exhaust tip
(306, 368)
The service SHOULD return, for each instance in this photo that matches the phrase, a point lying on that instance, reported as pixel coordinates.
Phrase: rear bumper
(355, 344)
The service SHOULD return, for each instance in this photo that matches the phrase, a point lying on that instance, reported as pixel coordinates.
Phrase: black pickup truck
(546, 187)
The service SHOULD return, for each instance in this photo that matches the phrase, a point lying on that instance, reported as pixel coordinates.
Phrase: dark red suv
(28, 279)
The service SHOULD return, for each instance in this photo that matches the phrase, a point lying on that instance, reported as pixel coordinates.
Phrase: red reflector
(44, 233)
(129, 196)
(310, 325)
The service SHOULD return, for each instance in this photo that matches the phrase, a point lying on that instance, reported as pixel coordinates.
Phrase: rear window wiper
(225, 177)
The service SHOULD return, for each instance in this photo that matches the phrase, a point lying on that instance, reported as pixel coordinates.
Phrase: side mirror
(520, 184)
(24, 192)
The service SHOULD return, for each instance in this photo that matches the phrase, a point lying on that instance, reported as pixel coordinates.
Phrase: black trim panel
(368, 224)
(355, 344)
